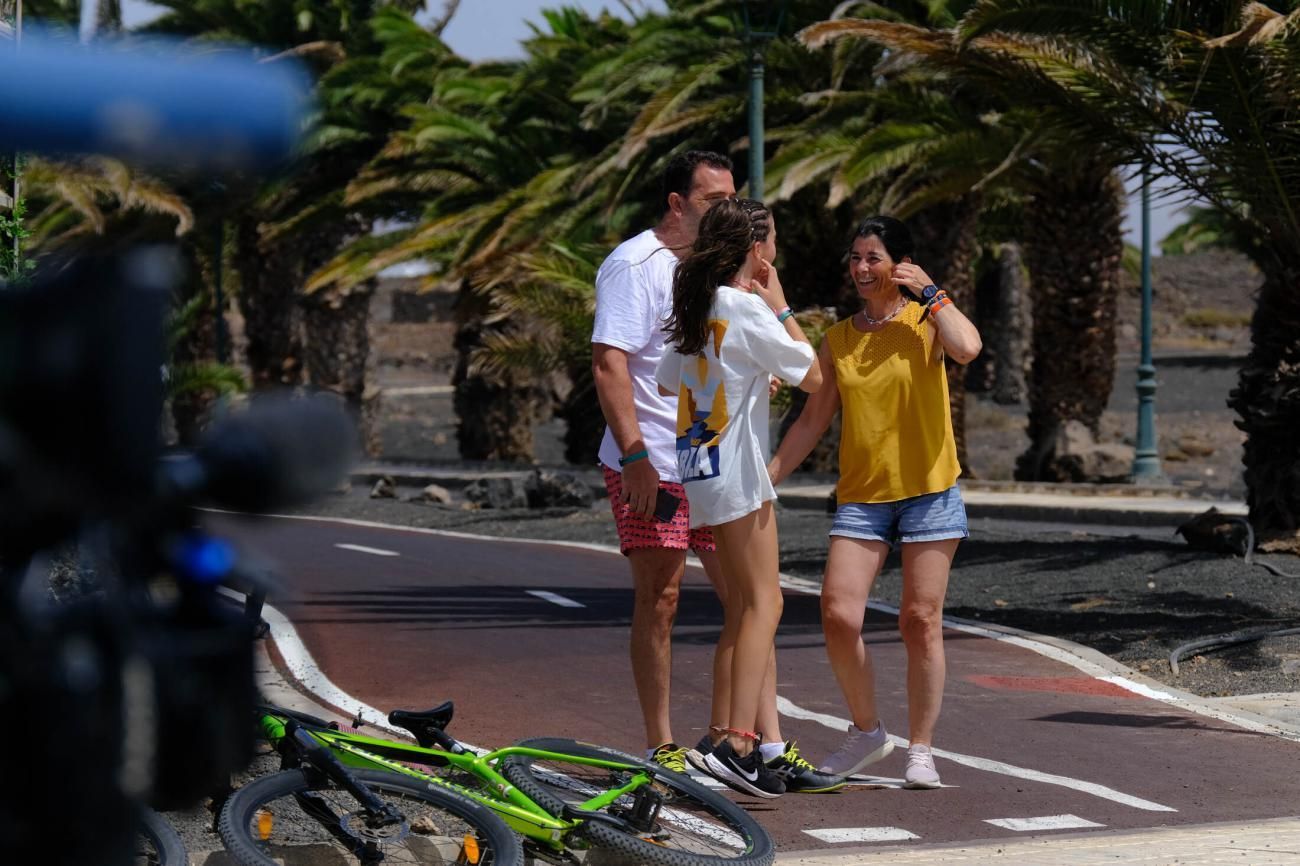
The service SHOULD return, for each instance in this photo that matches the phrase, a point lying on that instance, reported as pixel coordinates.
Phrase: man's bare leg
(657, 577)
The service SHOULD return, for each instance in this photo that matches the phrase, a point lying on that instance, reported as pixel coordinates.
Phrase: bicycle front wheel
(157, 843)
(291, 817)
(693, 827)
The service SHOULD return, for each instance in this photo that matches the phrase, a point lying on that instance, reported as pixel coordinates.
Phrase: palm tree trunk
(337, 352)
(946, 248)
(1073, 246)
(197, 345)
(1002, 317)
(336, 331)
(1010, 335)
(493, 421)
(1267, 398)
(269, 282)
(583, 428)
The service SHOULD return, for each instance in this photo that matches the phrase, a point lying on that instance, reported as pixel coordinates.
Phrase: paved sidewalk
(1119, 504)
(1266, 843)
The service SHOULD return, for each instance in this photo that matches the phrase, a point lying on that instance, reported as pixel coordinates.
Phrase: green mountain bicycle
(565, 798)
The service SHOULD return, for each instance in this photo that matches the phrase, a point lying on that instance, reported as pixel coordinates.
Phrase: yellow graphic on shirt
(702, 409)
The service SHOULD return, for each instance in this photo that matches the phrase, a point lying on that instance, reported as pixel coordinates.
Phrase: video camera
(140, 692)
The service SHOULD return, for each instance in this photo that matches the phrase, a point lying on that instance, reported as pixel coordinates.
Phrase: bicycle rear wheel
(158, 843)
(694, 826)
(290, 815)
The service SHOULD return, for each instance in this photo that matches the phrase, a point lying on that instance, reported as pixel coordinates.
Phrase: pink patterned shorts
(638, 533)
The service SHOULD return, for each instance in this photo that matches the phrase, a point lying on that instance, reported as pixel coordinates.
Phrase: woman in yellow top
(883, 367)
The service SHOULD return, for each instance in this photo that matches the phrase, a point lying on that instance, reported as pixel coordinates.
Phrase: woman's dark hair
(892, 233)
(727, 232)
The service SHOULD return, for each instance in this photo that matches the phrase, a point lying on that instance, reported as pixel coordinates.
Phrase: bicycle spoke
(682, 823)
(338, 823)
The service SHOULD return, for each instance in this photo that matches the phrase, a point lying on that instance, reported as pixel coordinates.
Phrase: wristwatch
(928, 293)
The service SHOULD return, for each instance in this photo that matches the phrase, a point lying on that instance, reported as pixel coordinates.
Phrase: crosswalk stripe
(844, 835)
(1045, 822)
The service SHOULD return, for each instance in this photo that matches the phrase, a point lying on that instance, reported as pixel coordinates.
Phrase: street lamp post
(15, 191)
(757, 35)
(1146, 458)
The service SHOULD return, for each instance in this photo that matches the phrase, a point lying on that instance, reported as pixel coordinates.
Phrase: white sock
(768, 751)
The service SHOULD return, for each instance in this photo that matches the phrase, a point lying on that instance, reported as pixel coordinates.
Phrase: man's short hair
(681, 170)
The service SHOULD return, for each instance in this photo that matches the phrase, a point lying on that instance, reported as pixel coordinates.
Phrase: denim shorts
(930, 517)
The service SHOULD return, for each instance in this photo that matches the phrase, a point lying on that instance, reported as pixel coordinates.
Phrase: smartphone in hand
(666, 506)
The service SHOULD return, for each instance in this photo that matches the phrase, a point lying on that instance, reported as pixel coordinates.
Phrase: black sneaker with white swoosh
(748, 775)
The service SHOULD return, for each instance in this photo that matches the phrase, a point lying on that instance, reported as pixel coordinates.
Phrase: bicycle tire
(497, 844)
(158, 843)
(697, 828)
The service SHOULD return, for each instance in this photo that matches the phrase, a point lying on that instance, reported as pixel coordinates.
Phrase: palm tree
(488, 165)
(293, 225)
(1205, 93)
(548, 305)
(1056, 178)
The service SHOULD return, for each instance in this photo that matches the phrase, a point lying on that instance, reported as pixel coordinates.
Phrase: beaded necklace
(902, 302)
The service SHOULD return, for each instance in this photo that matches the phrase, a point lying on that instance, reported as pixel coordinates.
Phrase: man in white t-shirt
(638, 453)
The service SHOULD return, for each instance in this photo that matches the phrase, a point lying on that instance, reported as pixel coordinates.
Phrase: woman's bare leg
(748, 548)
(851, 569)
(926, 565)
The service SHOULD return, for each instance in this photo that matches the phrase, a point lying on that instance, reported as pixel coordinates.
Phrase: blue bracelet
(632, 458)
(784, 314)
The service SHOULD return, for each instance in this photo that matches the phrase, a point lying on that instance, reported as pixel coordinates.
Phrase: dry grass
(1212, 317)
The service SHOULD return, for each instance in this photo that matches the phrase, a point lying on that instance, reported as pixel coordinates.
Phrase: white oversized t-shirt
(634, 297)
(722, 408)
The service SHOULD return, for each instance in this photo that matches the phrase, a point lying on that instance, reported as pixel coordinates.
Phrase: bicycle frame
(519, 811)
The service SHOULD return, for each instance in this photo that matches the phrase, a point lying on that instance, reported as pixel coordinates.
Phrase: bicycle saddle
(419, 721)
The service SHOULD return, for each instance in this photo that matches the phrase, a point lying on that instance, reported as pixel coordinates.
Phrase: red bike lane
(530, 639)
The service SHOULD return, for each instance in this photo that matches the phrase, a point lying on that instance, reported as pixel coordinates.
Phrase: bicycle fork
(377, 815)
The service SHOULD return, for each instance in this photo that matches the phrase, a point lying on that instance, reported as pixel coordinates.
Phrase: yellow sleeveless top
(896, 437)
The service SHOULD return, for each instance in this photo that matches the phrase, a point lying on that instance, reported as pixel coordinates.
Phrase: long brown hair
(727, 232)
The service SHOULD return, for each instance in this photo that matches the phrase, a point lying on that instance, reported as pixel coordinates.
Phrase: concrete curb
(1055, 503)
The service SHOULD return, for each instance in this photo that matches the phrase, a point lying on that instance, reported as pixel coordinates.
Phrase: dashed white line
(361, 548)
(555, 598)
(1045, 822)
(844, 835)
(418, 390)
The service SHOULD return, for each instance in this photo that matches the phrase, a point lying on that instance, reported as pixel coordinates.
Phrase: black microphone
(279, 452)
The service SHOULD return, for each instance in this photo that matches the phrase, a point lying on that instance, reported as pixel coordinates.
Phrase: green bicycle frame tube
(516, 808)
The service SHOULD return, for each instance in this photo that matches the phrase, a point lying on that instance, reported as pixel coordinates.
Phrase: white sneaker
(920, 772)
(859, 749)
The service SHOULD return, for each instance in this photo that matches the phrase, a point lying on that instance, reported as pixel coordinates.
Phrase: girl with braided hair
(730, 330)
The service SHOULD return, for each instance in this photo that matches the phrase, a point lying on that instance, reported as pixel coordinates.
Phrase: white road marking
(788, 708)
(361, 548)
(418, 390)
(1046, 822)
(302, 667)
(555, 598)
(843, 835)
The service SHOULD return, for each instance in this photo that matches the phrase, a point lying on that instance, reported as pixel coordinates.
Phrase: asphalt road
(531, 639)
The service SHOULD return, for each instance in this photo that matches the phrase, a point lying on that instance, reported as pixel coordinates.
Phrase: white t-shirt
(634, 297)
(722, 414)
